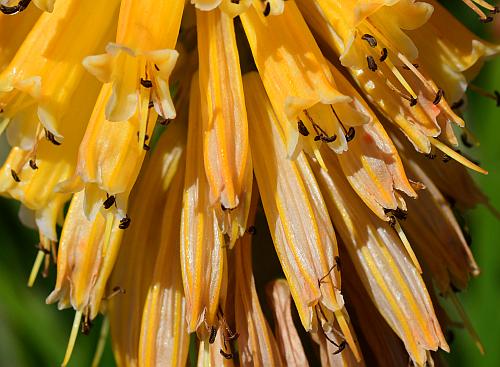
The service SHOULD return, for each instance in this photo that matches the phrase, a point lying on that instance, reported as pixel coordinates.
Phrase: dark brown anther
(15, 176)
(456, 105)
(413, 101)
(372, 41)
(495, 10)
(157, 68)
(125, 222)
(267, 9)
(397, 213)
(384, 55)
(164, 122)
(50, 137)
(351, 133)
(341, 347)
(108, 203)
(392, 221)
(439, 96)
(446, 158)
(146, 83)
(32, 164)
(11, 10)
(317, 138)
(86, 325)
(328, 139)
(252, 230)
(226, 209)
(465, 140)
(151, 104)
(224, 354)
(372, 65)
(213, 334)
(487, 19)
(337, 262)
(302, 128)
(430, 155)
(146, 147)
(235, 2)
(407, 68)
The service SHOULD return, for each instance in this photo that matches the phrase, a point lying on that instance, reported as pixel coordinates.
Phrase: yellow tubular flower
(225, 126)
(40, 82)
(40, 169)
(451, 53)
(387, 348)
(449, 259)
(23, 23)
(289, 344)
(297, 78)
(256, 343)
(141, 242)
(110, 158)
(379, 55)
(302, 232)
(384, 265)
(202, 242)
(164, 337)
(139, 64)
(372, 164)
(87, 252)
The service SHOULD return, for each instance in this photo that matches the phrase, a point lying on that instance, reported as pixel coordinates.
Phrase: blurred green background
(35, 334)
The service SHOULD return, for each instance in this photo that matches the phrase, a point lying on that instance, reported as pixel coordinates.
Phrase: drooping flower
(328, 114)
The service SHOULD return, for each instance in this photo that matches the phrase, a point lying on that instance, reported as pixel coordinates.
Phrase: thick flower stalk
(177, 130)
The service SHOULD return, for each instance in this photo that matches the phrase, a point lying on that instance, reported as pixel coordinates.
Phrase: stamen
(372, 41)
(50, 137)
(456, 105)
(494, 96)
(72, 338)
(267, 9)
(101, 343)
(349, 134)
(252, 230)
(15, 176)
(114, 292)
(482, 17)
(36, 267)
(146, 83)
(320, 133)
(459, 158)
(372, 65)
(302, 128)
(110, 200)
(124, 222)
(439, 95)
(384, 54)
(10, 10)
(224, 354)
(32, 164)
(407, 246)
(466, 321)
(213, 335)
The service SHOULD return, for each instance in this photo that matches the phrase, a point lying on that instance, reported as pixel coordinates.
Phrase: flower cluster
(171, 128)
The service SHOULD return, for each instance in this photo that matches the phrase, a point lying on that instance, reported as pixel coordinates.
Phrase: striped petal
(201, 238)
(225, 126)
(296, 214)
(384, 265)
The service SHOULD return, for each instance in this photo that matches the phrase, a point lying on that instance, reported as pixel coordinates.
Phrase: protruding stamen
(36, 267)
(103, 336)
(72, 338)
(494, 96)
(466, 321)
(459, 158)
(407, 246)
